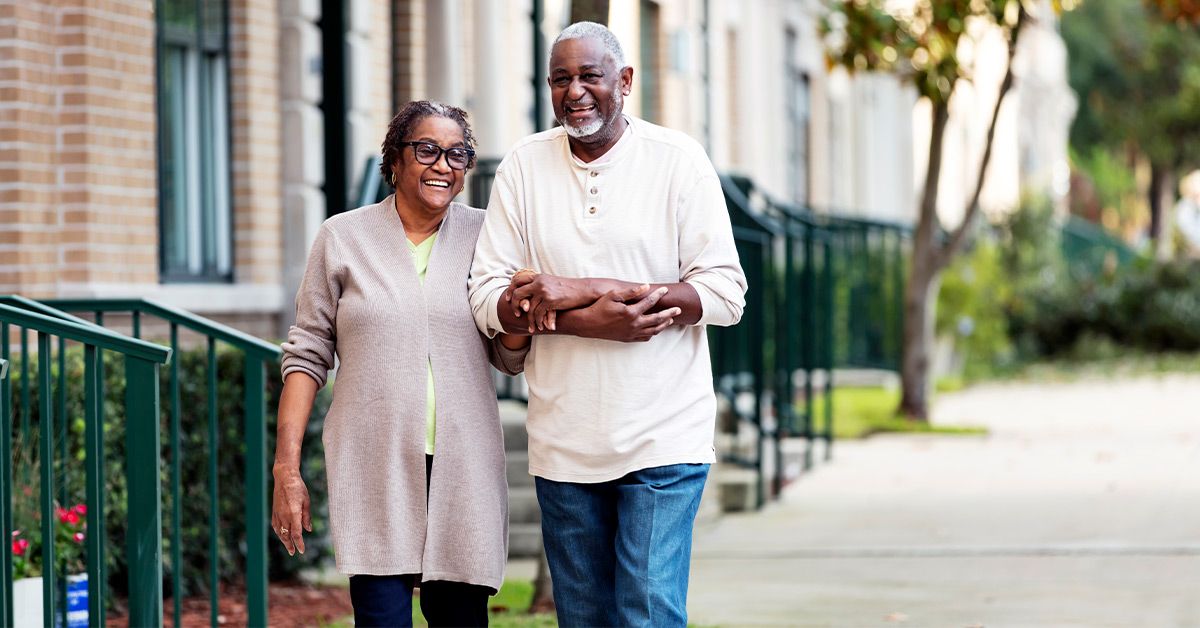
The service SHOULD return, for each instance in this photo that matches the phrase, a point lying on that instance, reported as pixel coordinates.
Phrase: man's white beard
(587, 130)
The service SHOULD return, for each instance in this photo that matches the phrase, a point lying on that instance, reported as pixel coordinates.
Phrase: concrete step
(517, 463)
(524, 540)
(512, 421)
(523, 505)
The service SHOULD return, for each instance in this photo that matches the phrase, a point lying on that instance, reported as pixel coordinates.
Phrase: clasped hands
(602, 308)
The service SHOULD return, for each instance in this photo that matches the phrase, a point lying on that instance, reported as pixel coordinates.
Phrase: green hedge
(1153, 306)
(194, 476)
(1020, 294)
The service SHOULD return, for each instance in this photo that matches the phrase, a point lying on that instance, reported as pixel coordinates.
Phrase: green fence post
(26, 390)
(898, 300)
(93, 413)
(827, 332)
(46, 462)
(176, 491)
(142, 472)
(214, 507)
(810, 332)
(256, 489)
(6, 523)
(63, 428)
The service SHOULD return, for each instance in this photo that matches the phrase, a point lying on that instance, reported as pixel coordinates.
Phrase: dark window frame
(798, 109)
(205, 42)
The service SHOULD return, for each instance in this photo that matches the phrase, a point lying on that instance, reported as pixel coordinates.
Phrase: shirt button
(593, 190)
(591, 210)
(595, 174)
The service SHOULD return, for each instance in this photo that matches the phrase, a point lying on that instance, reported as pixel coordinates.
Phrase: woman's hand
(289, 510)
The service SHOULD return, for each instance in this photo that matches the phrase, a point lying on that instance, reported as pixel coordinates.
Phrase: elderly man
(609, 241)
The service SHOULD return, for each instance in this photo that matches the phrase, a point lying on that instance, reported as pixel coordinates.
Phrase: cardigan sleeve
(507, 361)
(312, 341)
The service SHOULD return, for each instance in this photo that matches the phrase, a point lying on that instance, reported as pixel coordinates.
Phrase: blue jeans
(620, 551)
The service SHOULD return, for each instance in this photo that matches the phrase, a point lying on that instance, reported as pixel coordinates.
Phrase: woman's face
(430, 188)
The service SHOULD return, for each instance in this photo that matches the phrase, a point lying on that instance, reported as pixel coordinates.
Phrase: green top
(420, 254)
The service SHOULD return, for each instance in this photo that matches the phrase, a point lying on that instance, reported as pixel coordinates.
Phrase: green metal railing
(256, 518)
(1086, 244)
(144, 542)
(741, 357)
(832, 295)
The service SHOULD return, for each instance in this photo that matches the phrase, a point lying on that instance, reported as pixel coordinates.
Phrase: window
(798, 116)
(650, 63)
(193, 140)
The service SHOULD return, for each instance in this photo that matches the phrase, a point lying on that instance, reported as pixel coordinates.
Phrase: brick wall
(77, 145)
(255, 116)
(381, 71)
(409, 50)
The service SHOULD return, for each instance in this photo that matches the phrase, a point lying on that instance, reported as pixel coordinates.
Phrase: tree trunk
(930, 257)
(543, 588)
(920, 305)
(923, 282)
(1162, 200)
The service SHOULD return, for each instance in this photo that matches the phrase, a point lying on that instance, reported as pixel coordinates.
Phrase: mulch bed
(290, 604)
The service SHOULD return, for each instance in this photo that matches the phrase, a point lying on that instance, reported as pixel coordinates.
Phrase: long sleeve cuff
(507, 361)
(717, 309)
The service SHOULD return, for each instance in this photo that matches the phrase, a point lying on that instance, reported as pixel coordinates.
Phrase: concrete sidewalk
(1080, 508)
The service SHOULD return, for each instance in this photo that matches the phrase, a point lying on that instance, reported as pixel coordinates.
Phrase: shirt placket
(592, 209)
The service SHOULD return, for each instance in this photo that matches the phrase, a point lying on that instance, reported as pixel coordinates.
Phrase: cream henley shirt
(650, 210)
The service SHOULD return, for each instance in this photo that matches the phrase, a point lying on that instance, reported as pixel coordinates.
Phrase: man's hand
(610, 318)
(541, 295)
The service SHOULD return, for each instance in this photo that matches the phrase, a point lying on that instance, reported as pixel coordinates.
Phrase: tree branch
(948, 251)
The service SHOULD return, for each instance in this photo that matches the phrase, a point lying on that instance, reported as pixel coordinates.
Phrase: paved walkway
(1080, 508)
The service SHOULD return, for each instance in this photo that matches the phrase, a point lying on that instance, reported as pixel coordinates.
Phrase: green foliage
(971, 308)
(985, 289)
(1113, 188)
(1152, 307)
(1033, 288)
(919, 43)
(1138, 79)
(195, 496)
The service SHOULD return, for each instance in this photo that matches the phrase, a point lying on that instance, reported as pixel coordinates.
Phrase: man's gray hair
(600, 32)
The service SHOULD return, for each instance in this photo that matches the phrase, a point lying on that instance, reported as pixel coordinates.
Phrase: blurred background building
(187, 150)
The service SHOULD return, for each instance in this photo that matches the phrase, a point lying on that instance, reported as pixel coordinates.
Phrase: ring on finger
(283, 530)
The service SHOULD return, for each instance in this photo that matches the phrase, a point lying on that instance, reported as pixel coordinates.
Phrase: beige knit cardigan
(361, 300)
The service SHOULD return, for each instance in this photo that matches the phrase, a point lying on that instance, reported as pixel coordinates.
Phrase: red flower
(78, 537)
(19, 546)
(71, 517)
(80, 509)
(62, 514)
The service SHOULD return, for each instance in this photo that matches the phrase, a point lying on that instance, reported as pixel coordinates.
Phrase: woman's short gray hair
(600, 32)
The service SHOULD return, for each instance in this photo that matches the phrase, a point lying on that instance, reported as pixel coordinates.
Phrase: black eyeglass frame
(442, 152)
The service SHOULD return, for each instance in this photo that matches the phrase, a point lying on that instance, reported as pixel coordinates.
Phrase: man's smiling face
(587, 89)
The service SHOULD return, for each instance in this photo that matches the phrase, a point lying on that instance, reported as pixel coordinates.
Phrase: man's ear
(626, 80)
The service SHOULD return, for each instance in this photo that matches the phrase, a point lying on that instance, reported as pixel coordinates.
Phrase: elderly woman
(413, 445)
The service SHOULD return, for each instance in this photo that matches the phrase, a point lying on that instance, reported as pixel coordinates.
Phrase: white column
(443, 58)
(489, 111)
(303, 166)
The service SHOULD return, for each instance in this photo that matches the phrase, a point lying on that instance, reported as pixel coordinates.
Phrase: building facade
(188, 150)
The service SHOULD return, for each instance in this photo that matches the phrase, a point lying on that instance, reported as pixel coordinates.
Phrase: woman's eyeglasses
(428, 154)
